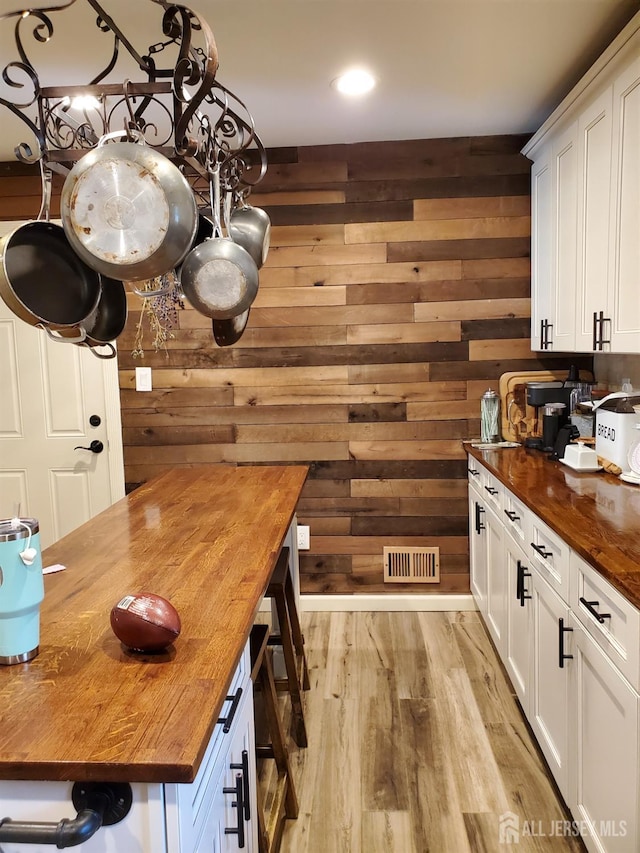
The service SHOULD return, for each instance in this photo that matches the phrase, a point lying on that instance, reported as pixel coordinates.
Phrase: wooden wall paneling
(395, 292)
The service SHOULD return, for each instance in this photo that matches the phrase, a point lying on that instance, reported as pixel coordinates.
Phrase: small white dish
(588, 470)
(580, 457)
(630, 477)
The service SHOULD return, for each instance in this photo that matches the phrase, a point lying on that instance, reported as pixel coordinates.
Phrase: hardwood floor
(416, 743)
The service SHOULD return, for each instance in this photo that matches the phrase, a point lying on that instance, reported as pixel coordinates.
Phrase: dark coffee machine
(551, 400)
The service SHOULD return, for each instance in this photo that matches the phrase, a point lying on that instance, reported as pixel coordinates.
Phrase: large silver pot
(128, 211)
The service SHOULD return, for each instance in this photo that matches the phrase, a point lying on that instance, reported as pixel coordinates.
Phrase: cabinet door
(496, 616)
(625, 220)
(564, 240)
(239, 828)
(549, 701)
(517, 657)
(594, 180)
(478, 550)
(605, 749)
(542, 299)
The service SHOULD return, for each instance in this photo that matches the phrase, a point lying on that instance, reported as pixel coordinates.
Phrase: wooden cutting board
(519, 421)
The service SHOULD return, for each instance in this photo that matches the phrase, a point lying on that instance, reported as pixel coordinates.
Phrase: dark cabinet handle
(244, 766)
(522, 593)
(227, 721)
(598, 335)
(591, 607)
(473, 472)
(511, 515)
(545, 325)
(491, 490)
(479, 513)
(595, 330)
(561, 632)
(238, 790)
(95, 447)
(540, 549)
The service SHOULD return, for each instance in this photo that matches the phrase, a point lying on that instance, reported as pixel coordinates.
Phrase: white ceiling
(445, 67)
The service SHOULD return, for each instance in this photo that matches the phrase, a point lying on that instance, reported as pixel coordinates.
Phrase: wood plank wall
(397, 289)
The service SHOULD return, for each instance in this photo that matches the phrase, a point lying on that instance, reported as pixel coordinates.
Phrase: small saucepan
(219, 277)
(228, 332)
(107, 321)
(250, 227)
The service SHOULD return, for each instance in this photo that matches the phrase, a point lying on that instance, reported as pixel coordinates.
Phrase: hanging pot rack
(180, 108)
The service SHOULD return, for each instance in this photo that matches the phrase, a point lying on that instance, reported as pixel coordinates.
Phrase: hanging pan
(42, 280)
(107, 321)
(250, 227)
(127, 210)
(228, 332)
(219, 277)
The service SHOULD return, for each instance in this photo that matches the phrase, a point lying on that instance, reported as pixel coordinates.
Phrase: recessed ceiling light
(357, 81)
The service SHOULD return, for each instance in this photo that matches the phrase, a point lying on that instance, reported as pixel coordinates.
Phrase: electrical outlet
(143, 379)
(303, 537)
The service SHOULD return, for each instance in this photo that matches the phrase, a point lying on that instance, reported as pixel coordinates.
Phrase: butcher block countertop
(206, 538)
(598, 515)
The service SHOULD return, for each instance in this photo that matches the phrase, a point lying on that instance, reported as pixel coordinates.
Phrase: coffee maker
(551, 402)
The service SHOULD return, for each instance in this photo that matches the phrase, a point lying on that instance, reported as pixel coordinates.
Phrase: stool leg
(296, 630)
(298, 728)
(278, 743)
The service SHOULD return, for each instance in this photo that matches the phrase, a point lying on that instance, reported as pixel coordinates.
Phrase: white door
(56, 397)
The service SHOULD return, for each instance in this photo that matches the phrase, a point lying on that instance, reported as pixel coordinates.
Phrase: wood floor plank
(385, 832)
(385, 774)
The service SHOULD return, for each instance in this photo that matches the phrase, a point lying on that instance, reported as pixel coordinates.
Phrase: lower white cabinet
(571, 645)
(605, 712)
(519, 624)
(549, 703)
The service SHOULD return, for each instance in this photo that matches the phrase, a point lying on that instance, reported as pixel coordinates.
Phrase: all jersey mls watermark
(512, 828)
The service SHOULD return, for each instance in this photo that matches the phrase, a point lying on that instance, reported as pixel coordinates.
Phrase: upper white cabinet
(585, 187)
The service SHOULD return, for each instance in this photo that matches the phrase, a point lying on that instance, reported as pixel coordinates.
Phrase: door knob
(95, 447)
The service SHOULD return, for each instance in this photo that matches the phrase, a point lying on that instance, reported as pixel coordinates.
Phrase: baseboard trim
(311, 603)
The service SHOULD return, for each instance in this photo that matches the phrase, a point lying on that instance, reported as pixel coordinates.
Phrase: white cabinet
(605, 789)
(549, 702)
(570, 643)
(594, 169)
(586, 210)
(519, 624)
(624, 304)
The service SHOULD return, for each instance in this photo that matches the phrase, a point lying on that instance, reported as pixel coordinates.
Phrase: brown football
(145, 622)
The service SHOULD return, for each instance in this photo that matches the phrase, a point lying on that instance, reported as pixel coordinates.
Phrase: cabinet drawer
(474, 472)
(612, 621)
(517, 519)
(550, 556)
(492, 490)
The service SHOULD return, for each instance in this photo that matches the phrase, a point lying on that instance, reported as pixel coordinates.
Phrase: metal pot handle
(146, 294)
(60, 339)
(133, 134)
(110, 354)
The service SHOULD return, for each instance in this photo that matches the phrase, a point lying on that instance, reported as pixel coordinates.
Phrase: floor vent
(411, 565)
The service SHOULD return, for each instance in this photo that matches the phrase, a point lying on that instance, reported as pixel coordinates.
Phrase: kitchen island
(207, 538)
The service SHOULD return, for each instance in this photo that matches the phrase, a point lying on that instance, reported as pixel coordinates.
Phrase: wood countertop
(598, 515)
(206, 538)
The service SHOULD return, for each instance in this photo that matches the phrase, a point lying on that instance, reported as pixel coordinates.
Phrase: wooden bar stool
(285, 801)
(290, 637)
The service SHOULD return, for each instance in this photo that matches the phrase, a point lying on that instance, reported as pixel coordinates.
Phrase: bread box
(614, 428)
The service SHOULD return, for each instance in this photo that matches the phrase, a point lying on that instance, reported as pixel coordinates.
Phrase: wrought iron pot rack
(180, 107)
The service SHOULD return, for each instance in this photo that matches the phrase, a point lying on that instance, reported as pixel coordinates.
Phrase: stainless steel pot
(219, 277)
(128, 211)
(250, 227)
